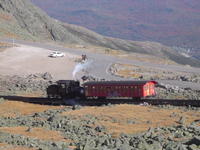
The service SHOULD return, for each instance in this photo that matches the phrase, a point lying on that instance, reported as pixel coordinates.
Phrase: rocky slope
(21, 19)
(173, 22)
(87, 133)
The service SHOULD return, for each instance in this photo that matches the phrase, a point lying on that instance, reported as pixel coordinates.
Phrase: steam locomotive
(66, 89)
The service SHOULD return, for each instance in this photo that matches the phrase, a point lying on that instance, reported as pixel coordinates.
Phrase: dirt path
(24, 60)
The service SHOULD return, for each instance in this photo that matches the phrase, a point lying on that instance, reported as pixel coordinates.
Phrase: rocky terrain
(33, 126)
(33, 83)
(166, 91)
(26, 72)
(70, 128)
(20, 19)
(150, 73)
(37, 84)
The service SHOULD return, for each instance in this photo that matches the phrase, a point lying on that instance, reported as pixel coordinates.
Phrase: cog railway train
(66, 89)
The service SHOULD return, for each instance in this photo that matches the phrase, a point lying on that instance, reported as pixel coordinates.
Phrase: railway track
(92, 102)
(99, 102)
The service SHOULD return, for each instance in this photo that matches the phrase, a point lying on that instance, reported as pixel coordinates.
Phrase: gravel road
(101, 63)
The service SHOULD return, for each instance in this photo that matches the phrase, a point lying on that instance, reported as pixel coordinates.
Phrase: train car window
(102, 89)
(97, 88)
(108, 89)
(132, 88)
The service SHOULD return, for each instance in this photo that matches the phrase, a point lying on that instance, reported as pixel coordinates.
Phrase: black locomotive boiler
(63, 89)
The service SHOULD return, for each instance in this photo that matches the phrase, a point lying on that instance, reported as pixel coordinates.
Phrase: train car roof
(66, 81)
(118, 82)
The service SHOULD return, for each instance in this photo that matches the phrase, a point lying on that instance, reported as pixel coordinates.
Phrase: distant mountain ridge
(171, 22)
(21, 19)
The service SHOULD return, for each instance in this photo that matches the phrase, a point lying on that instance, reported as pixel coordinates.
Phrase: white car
(56, 54)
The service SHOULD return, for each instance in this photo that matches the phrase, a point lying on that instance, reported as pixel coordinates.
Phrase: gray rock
(76, 107)
(175, 146)
(100, 129)
(124, 146)
(89, 145)
(143, 145)
(29, 129)
(193, 147)
(182, 120)
(47, 76)
(2, 100)
(178, 134)
(155, 146)
(184, 78)
(193, 141)
(129, 121)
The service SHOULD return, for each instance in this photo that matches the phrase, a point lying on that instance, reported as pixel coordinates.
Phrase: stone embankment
(33, 83)
(167, 91)
(37, 83)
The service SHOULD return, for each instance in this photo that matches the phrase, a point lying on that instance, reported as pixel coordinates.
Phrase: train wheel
(101, 98)
(136, 98)
(50, 96)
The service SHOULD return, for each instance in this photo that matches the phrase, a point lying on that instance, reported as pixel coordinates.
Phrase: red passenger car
(134, 89)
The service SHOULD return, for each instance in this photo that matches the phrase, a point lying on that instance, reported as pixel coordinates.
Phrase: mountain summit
(21, 19)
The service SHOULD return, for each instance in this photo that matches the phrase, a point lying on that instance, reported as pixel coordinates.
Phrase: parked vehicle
(56, 54)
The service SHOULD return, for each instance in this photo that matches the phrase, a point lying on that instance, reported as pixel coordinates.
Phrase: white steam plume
(81, 67)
